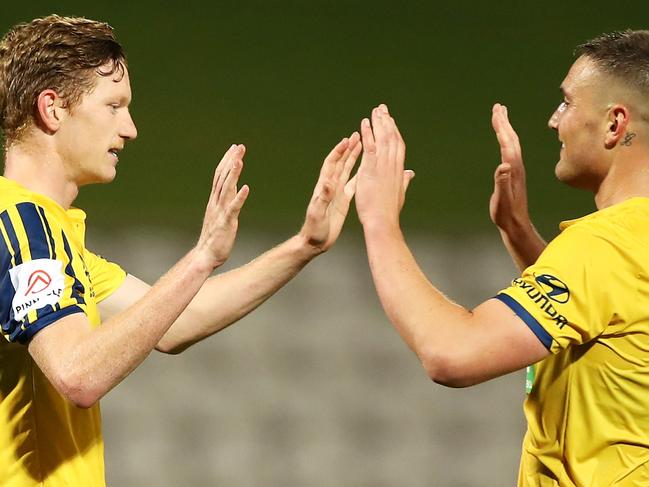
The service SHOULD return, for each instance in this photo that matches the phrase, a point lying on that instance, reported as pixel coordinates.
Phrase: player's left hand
(508, 204)
(381, 180)
(333, 192)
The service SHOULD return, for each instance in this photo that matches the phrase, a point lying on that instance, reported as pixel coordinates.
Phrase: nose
(553, 122)
(129, 130)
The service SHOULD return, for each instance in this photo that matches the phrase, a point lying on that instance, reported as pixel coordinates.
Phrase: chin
(563, 174)
(109, 177)
(559, 171)
(573, 179)
(100, 178)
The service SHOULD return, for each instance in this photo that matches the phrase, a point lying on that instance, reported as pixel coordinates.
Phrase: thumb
(503, 181)
(502, 176)
(408, 175)
(350, 187)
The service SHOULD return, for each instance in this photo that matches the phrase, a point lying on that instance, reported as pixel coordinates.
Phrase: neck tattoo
(628, 137)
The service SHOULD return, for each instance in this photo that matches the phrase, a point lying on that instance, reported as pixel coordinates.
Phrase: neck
(627, 177)
(41, 171)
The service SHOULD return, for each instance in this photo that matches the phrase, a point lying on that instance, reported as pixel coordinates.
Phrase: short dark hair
(622, 54)
(59, 53)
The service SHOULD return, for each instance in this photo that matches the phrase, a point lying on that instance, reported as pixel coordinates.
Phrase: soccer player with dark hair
(578, 316)
(64, 112)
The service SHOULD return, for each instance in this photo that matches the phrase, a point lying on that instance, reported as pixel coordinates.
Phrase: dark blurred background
(316, 388)
(290, 78)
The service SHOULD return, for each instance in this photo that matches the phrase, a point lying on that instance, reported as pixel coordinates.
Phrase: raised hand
(333, 192)
(382, 180)
(222, 213)
(508, 203)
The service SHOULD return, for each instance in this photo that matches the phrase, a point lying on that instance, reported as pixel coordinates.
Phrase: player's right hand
(382, 180)
(222, 213)
(508, 204)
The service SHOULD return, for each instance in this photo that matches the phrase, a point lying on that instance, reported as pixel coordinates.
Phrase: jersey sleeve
(106, 276)
(567, 297)
(38, 281)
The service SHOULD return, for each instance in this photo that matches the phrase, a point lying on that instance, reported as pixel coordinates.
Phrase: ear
(617, 125)
(49, 110)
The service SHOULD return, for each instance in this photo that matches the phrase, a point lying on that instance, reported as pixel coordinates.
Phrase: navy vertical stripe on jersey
(77, 288)
(5, 257)
(48, 230)
(38, 245)
(6, 288)
(38, 241)
(11, 233)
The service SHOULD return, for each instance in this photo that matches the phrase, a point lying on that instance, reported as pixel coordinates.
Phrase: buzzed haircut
(622, 54)
(63, 54)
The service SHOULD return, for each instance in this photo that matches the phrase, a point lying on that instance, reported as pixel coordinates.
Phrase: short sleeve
(568, 296)
(106, 277)
(38, 281)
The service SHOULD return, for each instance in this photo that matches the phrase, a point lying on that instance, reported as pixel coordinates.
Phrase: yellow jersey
(587, 300)
(46, 273)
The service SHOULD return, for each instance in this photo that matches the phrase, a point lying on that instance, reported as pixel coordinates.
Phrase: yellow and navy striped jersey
(587, 300)
(46, 273)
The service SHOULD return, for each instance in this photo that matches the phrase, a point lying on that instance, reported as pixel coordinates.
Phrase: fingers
(224, 187)
(396, 144)
(401, 146)
(369, 144)
(392, 149)
(229, 189)
(234, 153)
(379, 125)
(342, 165)
(351, 155)
(337, 153)
(338, 165)
(510, 149)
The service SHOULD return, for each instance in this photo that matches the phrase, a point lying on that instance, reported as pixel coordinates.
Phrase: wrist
(380, 221)
(203, 261)
(517, 226)
(303, 248)
(380, 228)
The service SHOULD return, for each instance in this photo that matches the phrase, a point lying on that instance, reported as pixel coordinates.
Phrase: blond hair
(58, 53)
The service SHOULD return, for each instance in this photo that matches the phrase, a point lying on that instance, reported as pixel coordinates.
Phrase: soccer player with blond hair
(74, 324)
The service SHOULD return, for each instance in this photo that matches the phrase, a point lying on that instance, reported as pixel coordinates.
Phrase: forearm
(107, 354)
(426, 320)
(523, 243)
(226, 298)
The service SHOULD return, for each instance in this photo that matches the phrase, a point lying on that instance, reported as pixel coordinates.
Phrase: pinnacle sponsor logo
(38, 282)
(34, 303)
(539, 297)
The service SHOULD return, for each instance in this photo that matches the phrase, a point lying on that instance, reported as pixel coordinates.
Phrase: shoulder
(626, 222)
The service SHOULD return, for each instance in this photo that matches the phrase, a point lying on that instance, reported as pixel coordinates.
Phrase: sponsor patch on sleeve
(37, 283)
